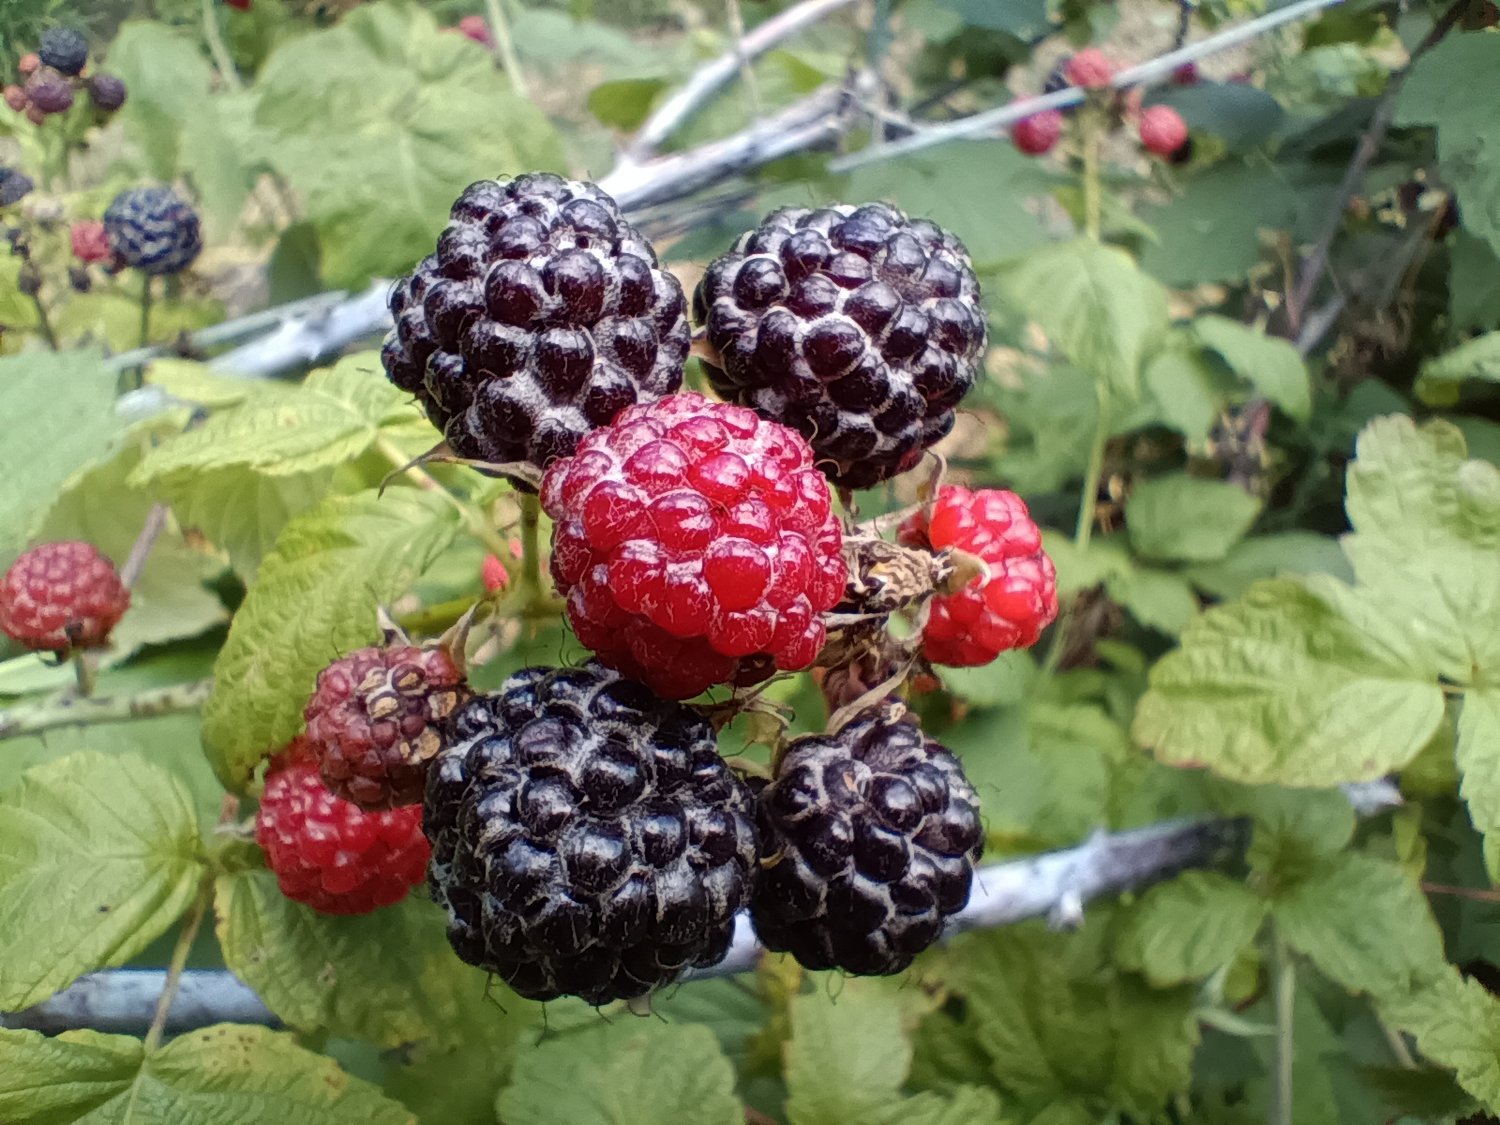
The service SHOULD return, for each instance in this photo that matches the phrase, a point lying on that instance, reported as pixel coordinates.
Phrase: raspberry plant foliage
(1250, 413)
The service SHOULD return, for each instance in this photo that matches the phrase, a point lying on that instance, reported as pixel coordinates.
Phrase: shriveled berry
(858, 327)
(1037, 134)
(696, 545)
(1163, 130)
(374, 722)
(1090, 68)
(1009, 608)
(869, 838)
(329, 854)
(587, 839)
(61, 596)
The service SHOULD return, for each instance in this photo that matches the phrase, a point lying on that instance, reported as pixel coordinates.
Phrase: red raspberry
(16, 98)
(28, 63)
(373, 722)
(61, 596)
(1163, 131)
(1090, 68)
(496, 577)
(696, 544)
(90, 243)
(329, 854)
(1186, 74)
(474, 27)
(1010, 608)
(1037, 134)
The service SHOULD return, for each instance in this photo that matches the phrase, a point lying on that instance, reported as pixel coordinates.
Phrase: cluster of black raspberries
(55, 72)
(586, 836)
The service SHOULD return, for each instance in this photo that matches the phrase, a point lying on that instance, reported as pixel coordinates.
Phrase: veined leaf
(1271, 366)
(1188, 519)
(1184, 930)
(1478, 755)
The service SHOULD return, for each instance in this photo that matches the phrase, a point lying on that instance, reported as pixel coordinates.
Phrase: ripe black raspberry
(60, 596)
(859, 327)
(541, 315)
(153, 229)
(587, 839)
(106, 92)
(373, 722)
(64, 49)
(871, 836)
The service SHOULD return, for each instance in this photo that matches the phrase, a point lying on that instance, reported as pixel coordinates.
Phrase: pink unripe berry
(1163, 130)
(1038, 133)
(474, 27)
(1090, 68)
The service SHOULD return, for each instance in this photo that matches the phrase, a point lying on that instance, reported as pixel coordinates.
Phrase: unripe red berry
(475, 28)
(29, 63)
(90, 243)
(1163, 130)
(60, 596)
(16, 98)
(1090, 68)
(1038, 133)
(496, 577)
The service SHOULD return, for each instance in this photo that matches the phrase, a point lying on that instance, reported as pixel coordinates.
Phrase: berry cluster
(1161, 128)
(55, 73)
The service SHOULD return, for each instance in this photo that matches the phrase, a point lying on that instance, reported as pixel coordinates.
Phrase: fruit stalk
(70, 709)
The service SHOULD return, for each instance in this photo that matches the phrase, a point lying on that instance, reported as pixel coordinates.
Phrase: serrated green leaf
(625, 103)
(1157, 599)
(1186, 929)
(636, 1072)
(389, 977)
(379, 163)
(1478, 754)
(168, 77)
(219, 1074)
(1188, 519)
(1184, 390)
(1426, 542)
(1095, 305)
(1456, 1024)
(66, 400)
(846, 1060)
(1450, 87)
(239, 510)
(288, 431)
(967, 1105)
(315, 597)
(120, 836)
(1282, 687)
(1270, 365)
(200, 384)
(1442, 376)
(1001, 683)
(1105, 558)
(169, 600)
(1269, 556)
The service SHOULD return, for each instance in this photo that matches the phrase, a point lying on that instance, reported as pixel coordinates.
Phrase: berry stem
(180, 953)
(1284, 995)
(83, 672)
(1092, 204)
(43, 322)
(475, 520)
(146, 296)
(1083, 531)
(531, 551)
(505, 47)
(74, 709)
(215, 39)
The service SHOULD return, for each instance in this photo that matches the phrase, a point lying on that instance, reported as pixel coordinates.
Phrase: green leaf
(120, 835)
(316, 596)
(1271, 366)
(1186, 929)
(1002, 682)
(846, 1060)
(1451, 87)
(67, 400)
(1282, 687)
(219, 1074)
(1095, 305)
(636, 1072)
(967, 1105)
(1188, 519)
(1270, 556)
(379, 163)
(1456, 1024)
(288, 431)
(1442, 376)
(169, 600)
(625, 103)
(1022, 18)
(240, 510)
(389, 977)
(1426, 542)
(168, 77)
(1157, 599)
(1185, 390)
(1478, 754)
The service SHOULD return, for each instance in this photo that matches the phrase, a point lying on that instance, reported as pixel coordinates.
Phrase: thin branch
(708, 80)
(1146, 73)
(70, 710)
(1369, 144)
(505, 46)
(1284, 995)
(140, 550)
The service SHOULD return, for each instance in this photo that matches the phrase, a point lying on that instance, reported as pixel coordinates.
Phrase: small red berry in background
(474, 27)
(1038, 133)
(61, 596)
(1011, 607)
(496, 577)
(1090, 68)
(16, 98)
(239, 5)
(28, 63)
(1163, 130)
(1186, 74)
(696, 544)
(90, 243)
(373, 722)
(329, 854)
